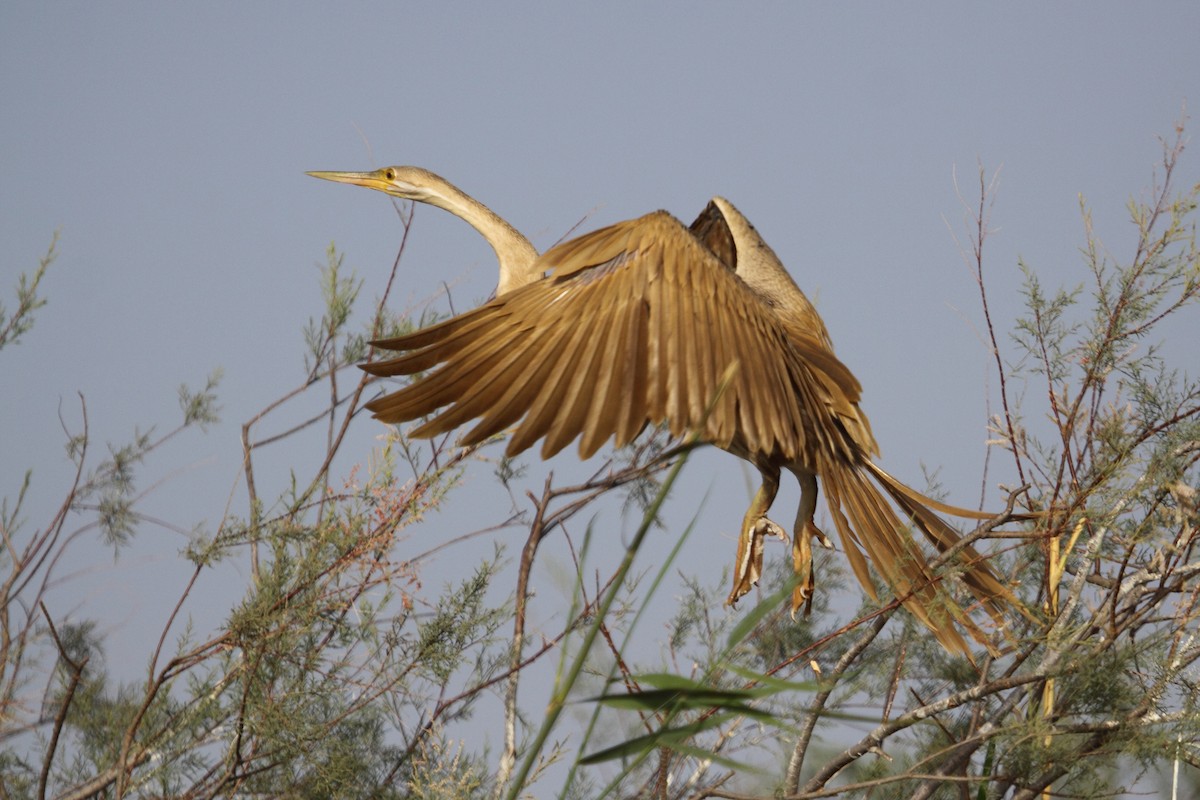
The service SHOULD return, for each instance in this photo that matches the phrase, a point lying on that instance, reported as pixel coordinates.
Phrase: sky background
(169, 142)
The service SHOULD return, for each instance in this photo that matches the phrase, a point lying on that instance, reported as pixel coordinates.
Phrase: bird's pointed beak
(372, 180)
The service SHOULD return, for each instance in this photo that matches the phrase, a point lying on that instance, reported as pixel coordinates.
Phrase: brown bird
(650, 322)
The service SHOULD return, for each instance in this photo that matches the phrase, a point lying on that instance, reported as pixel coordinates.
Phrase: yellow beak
(372, 180)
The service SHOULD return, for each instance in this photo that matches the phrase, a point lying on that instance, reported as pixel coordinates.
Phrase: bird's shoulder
(645, 242)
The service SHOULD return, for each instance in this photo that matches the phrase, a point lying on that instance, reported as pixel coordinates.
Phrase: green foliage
(440, 770)
(686, 708)
(313, 685)
(200, 408)
(16, 324)
(325, 339)
(457, 626)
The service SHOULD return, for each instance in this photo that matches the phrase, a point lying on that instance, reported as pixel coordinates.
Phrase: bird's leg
(755, 526)
(805, 531)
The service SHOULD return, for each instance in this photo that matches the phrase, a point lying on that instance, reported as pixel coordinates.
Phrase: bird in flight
(699, 328)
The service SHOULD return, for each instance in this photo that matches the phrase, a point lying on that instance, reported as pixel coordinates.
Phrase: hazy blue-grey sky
(169, 142)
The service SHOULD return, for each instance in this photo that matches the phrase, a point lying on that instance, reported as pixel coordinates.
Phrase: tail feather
(866, 521)
(977, 574)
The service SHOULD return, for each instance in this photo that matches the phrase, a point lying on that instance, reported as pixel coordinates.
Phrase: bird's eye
(390, 174)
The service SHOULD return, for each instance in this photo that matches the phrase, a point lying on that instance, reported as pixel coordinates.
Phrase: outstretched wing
(636, 324)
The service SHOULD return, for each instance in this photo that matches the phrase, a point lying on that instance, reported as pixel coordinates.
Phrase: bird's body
(701, 329)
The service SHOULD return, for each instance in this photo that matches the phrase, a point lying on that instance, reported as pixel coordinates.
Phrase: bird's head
(410, 183)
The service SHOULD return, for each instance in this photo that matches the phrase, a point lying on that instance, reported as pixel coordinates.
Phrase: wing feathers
(636, 325)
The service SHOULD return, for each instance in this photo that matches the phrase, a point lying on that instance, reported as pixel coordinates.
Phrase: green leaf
(671, 738)
(676, 700)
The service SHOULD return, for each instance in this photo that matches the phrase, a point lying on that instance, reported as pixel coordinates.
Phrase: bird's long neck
(514, 252)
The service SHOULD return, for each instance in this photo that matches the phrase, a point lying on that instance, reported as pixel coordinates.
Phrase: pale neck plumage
(514, 252)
